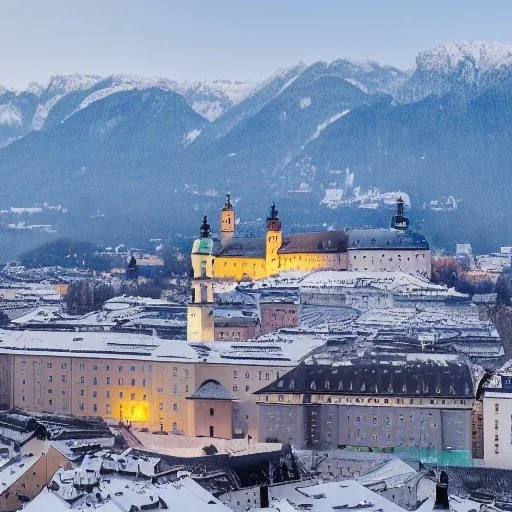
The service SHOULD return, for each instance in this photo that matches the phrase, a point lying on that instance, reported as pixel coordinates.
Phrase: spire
(399, 221)
(273, 212)
(273, 222)
(205, 228)
(400, 206)
(227, 204)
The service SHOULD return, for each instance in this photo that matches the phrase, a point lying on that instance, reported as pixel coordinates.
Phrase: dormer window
(313, 385)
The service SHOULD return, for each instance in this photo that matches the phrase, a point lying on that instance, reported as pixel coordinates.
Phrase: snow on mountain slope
(464, 67)
(481, 55)
(10, 115)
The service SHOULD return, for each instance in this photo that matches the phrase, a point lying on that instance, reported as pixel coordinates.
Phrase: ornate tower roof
(227, 204)
(205, 228)
(399, 221)
(273, 222)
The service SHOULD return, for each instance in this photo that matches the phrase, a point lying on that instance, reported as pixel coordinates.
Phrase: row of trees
(449, 272)
(84, 296)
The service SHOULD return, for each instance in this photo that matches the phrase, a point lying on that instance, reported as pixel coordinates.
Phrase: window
(174, 425)
(50, 378)
(387, 421)
(63, 366)
(95, 381)
(235, 388)
(81, 406)
(120, 394)
(247, 389)
(496, 407)
(186, 388)
(212, 412)
(235, 374)
(358, 419)
(23, 381)
(143, 382)
(160, 405)
(82, 366)
(108, 394)
(120, 369)
(186, 373)
(174, 389)
(94, 368)
(49, 365)
(374, 420)
(133, 382)
(82, 380)
(144, 397)
(267, 376)
(281, 398)
(132, 368)
(121, 382)
(50, 391)
(313, 384)
(82, 392)
(246, 375)
(174, 371)
(95, 407)
(132, 396)
(108, 367)
(50, 402)
(23, 364)
(159, 390)
(95, 394)
(108, 380)
(326, 385)
(175, 407)
(63, 378)
(108, 409)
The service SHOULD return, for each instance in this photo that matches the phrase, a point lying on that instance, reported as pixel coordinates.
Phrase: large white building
(497, 419)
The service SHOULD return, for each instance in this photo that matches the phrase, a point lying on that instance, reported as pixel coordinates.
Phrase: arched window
(327, 385)
(292, 384)
(212, 412)
(313, 384)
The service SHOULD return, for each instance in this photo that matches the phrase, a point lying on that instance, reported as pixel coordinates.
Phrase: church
(236, 258)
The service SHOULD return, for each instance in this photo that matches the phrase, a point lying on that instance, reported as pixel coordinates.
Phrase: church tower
(399, 221)
(200, 320)
(227, 221)
(274, 240)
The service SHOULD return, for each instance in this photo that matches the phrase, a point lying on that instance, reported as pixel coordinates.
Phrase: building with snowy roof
(138, 379)
(417, 405)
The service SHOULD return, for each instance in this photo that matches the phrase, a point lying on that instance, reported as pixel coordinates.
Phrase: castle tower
(227, 221)
(399, 221)
(274, 240)
(200, 320)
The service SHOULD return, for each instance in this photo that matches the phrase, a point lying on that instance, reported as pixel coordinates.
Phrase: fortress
(234, 258)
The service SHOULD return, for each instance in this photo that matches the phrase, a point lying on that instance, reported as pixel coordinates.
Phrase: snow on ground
(322, 126)
(191, 136)
(10, 115)
(185, 446)
(305, 102)
(42, 111)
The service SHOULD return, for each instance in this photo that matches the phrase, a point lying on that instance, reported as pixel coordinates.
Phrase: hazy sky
(236, 39)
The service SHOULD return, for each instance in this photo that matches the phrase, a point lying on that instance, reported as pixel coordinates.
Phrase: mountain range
(131, 158)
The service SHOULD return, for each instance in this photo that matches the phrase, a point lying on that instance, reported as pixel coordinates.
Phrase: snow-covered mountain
(24, 111)
(465, 67)
(318, 138)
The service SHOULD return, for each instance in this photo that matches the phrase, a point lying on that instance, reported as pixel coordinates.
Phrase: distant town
(329, 370)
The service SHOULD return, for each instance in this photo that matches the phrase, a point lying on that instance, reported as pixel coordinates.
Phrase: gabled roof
(249, 247)
(415, 375)
(322, 242)
(386, 239)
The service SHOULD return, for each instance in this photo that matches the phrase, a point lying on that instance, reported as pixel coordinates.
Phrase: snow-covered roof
(114, 345)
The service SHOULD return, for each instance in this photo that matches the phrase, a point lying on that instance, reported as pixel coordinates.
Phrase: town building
(140, 380)
(417, 405)
(497, 418)
(236, 257)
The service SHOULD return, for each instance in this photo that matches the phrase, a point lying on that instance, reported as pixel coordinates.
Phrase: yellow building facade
(263, 256)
